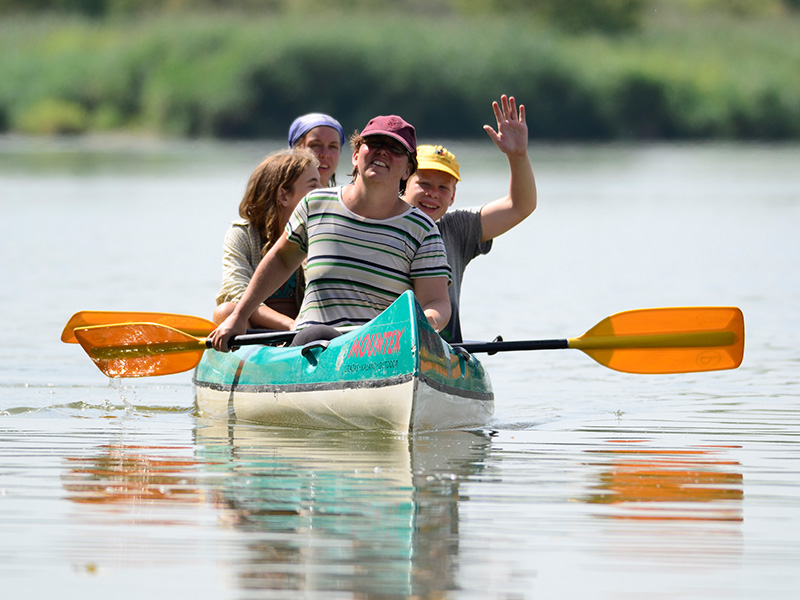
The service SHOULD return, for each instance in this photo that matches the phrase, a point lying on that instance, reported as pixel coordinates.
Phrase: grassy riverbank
(232, 76)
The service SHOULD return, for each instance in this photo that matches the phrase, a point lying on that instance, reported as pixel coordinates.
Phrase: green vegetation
(650, 69)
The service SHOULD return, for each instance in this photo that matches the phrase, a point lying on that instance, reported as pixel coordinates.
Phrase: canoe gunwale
(342, 385)
(275, 388)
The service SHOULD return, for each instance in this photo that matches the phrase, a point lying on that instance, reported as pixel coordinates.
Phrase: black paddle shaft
(500, 346)
(275, 337)
(261, 337)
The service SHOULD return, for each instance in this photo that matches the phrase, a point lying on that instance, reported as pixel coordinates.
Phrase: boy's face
(432, 191)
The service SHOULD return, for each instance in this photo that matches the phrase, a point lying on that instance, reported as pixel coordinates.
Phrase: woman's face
(381, 156)
(325, 143)
(308, 180)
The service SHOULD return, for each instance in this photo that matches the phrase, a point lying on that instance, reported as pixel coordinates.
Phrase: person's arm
(511, 138)
(276, 267)
(265, 317)
(431, 293)
(237, 271)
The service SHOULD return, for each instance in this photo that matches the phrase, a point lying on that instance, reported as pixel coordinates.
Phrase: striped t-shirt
(357, 267)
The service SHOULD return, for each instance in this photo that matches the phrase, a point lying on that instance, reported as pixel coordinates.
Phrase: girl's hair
(260, 203)
(356, 140)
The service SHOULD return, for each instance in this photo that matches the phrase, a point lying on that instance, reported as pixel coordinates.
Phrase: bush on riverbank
(229, 76)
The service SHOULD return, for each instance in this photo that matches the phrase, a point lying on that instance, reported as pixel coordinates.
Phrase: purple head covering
(302, 125)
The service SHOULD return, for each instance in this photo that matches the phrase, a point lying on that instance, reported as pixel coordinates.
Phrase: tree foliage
(238, 76)
(609, 16)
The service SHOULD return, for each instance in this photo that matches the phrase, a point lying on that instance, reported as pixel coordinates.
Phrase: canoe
(394, 373)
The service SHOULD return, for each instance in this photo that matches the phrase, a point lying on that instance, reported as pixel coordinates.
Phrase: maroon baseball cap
(394, 127)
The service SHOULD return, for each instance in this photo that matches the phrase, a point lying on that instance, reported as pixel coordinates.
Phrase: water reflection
(369, 513)
(120, 474)
(694, 484)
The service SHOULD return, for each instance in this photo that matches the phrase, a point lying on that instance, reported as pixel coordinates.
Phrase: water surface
(588, 483)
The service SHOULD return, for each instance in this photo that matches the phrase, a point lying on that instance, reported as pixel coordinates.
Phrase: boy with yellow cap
(469, 232)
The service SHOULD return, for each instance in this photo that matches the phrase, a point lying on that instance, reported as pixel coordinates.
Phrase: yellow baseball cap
(438, 158)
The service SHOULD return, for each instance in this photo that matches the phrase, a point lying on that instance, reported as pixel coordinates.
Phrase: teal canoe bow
(395, 373)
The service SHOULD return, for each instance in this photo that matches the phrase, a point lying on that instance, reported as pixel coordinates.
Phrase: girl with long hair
(273, 191)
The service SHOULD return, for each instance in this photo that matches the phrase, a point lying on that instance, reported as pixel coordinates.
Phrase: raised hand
(511, 135)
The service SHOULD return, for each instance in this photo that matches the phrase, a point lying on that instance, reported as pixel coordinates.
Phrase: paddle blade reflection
(687, 485)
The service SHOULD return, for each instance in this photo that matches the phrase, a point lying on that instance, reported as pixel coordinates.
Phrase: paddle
(654, 340)
(89, 318)
(651, 340)
(148, 349)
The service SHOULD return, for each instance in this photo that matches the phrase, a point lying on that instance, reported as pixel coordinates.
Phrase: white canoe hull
(405, 406)
(394, 373)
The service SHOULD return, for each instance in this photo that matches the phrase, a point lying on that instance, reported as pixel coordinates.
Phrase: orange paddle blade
(196, 326)
(140, 349)
(667, 340)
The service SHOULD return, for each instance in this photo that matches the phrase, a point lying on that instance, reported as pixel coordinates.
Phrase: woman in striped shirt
(363, 244)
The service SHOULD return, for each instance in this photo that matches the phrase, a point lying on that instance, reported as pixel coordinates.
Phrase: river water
(589, 483)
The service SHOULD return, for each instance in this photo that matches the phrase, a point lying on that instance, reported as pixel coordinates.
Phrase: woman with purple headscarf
(324, 136)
